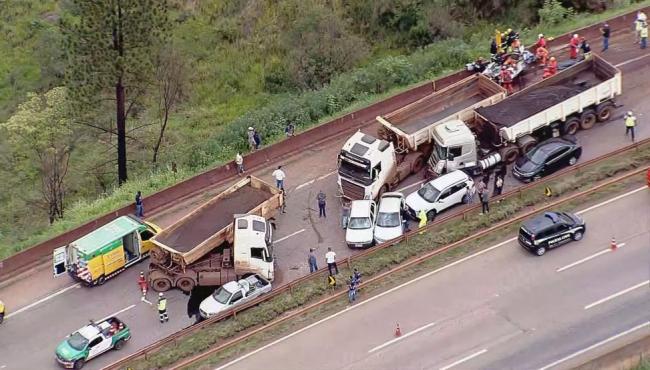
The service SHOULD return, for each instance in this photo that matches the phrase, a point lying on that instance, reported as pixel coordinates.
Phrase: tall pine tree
(110, 46)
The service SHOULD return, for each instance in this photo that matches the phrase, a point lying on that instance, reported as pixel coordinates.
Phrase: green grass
(384, 259)
(643, 365)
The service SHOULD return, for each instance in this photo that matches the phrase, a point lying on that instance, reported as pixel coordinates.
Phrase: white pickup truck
(234, 293)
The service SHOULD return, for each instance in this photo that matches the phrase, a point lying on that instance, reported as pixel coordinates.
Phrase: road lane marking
(31, 305)
(596, 345)
(402, 337)
(464, 359)
(288, 236)
(360, 304)
(412, 185)
(631, 60)
(326, 175)
(314, 180)
(118, 312)
(576, 263)
(615, 295)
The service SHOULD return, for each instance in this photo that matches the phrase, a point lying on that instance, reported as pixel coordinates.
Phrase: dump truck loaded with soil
(224, 239)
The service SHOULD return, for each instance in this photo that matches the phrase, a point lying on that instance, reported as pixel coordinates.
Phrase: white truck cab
(360, 227)
(253, 245)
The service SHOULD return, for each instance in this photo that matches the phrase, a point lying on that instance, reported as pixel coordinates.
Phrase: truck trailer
(369, 166)
(576, 98)
(226, 238)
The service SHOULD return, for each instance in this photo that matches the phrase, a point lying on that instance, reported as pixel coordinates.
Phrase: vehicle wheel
(526, 143)
(604, 112)
(418, 164)
(118, 345)
(101, 280)
(571, 126)
(509, 154)
(588, 119)
(537, 178)
(79, 364)
(577, 235)
(572, 161)
(431, 215)
(540, 251)
(185, 284)
(161, 285)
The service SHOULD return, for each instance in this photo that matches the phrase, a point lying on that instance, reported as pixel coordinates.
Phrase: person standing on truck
(321, 204)
(506, 79)
(139, 207)
(313, 266)
(330, 258)
(605, 32)
(494, 49)
(541, 42)
(630, 123)
(585, 48)
(142, 282)
(239, 161)
(551, 68)
(542, 55)
(279, 176)
(573, 46)
(162, 308)
(251, 138)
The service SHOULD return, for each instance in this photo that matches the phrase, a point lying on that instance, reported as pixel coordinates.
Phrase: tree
(171, 77)
(110, 46)
(42, 127)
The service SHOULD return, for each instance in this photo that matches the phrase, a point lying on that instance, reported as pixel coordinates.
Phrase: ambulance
(106, 251)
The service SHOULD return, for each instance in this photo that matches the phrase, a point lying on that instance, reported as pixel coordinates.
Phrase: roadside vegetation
(381, 260)
(220, 67)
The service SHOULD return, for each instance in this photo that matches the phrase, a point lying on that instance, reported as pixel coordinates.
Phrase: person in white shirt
(279, 177)
(330, 258)
(239, 160)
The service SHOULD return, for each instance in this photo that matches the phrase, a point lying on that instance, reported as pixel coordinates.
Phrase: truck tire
(604, 112)
(161, 284)
(526, 143)
(571, 126)
(588, 119)
(509, 154)
(118, 345)
(185, 284)
(418, 164)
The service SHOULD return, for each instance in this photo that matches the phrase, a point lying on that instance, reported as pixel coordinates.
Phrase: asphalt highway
(502, 309)
(43, 309)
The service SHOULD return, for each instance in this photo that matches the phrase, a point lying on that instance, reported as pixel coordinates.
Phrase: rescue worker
(506, 79)
(585, 48)
(494, 49)
(516, 46)
(541, 41)
(2, 311)
(142, 282)
(630, 123)
(551, 68)
(644, 35)
(542, 55)
(573, 46)
(422, 215)
(162, 308)
(498, 40)
(638, 25)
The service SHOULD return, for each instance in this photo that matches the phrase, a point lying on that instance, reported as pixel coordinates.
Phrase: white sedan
(389, 217)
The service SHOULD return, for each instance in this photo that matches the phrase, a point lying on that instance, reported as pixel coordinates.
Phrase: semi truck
(368, 166)
(576, 98)
(223, 240)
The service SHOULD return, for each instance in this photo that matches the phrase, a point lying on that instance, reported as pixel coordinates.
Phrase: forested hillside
(196, 74)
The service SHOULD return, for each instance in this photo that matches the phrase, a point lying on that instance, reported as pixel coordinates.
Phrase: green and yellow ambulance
(106, 251)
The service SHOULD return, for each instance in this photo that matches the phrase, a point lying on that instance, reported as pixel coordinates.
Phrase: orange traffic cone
(613, 246)
(398, 331)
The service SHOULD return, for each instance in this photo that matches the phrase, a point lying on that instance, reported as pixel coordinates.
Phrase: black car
(547, 157)
(550, 230)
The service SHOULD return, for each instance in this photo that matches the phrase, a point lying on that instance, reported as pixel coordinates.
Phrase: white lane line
(624, 291)
(43, 300)
(596, 345)
(118, 312)
(303, 185)
(410, 186)
(464, 359)
(288, 236)
(402, 337)
(360, 304)
(631, 60)
(326, 175)
(613, 199)
(576, 263)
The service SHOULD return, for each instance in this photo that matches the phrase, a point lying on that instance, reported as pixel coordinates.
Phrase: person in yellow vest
(644, 35)
(162, 308)
(2, 311)
(630, 122)
(422, 215)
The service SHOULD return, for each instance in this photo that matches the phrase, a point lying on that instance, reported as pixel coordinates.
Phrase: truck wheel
(588, 119)
(118, 345)
(161, 284)
(79, 364)
(418, 164)
(526, 143)
(101, 280)
(509, 154)
(604, 112)
(571, 126)
(185, 284)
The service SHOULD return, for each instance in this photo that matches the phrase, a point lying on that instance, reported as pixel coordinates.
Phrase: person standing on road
(283, 207)
(498, 185)
(162, 308)
(251, 138)
(352, 290)
(142, 282)
(480, 187)
(330, 258)
(643, 34)
(605, 32)
(279, 177)
(321, 204)
(630, 123)
(313, 266)
(239, 161)
(484, 202)
(422, 215)
(139, 206)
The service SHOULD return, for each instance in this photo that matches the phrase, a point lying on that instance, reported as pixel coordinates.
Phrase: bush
(553, 12)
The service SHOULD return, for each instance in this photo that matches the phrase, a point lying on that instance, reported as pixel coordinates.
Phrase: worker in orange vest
(573, 46)
(142, 282)
(542, 55)
(506, 79)
(648, 177)
(541, 41)
(551, 68)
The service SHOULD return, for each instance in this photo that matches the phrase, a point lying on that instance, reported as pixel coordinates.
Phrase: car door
(555, 161)
(444, 200)
(98, 345)
(60, 261)
(458, 191)
(236, 299)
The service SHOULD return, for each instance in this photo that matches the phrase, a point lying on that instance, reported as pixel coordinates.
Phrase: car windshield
(429, 193)
(385, 219)
(440, 152)
(566, 218)
(77, 341)
(221, 295)
(358, 223)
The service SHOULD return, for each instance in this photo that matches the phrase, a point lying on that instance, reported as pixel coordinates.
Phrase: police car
(550, 230)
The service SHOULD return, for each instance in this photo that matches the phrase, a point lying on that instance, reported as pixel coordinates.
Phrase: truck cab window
(259, 226)
(454, 152)
(146, 235)
(257, 253)
(242, 224)
(375, 171)
(95, 342)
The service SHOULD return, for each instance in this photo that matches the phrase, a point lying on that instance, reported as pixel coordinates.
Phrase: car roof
(390, 203)
(543, 221)
(232, 286)
(89, 331)
(108, 235)
(360, 208)
(449, 179)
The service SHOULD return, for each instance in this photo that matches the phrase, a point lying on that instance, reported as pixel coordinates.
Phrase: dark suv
(550, 230)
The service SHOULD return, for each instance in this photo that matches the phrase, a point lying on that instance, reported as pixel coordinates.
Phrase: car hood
(524, 165)
(388, 233)
(66, 351)
(416, 203)
(211, 306)
(358, 236)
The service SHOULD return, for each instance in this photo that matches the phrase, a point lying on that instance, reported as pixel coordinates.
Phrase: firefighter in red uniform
(506, 79)
(541, 42)
(551, 68)
(648, 177)
(573, 46)
(142, 282)
(542, 55)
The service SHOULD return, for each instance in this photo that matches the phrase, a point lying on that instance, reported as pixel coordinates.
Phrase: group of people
(502, 48)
